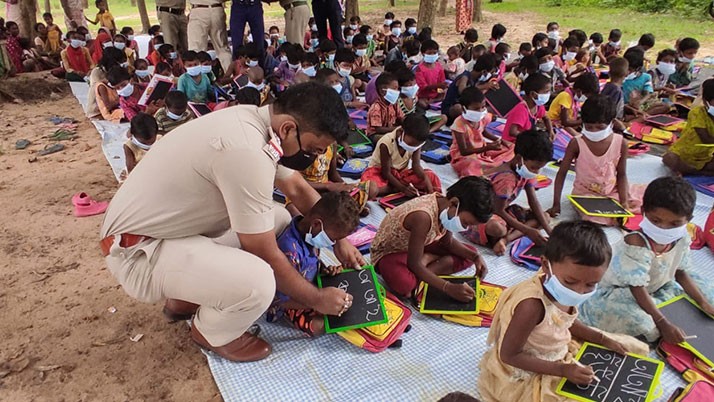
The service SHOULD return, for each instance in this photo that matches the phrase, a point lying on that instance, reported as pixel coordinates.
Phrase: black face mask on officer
(299, 161)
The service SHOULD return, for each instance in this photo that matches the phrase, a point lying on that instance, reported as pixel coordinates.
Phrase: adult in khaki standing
(162, 231)
(208, 19)
(297, 15)
(172, 17)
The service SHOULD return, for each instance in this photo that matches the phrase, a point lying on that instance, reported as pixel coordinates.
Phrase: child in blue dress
(334, 217)
(651, 266)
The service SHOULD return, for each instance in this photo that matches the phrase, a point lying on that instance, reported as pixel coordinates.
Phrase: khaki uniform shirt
(209, 175)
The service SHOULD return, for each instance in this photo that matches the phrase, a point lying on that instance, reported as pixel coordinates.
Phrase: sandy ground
(60, 341)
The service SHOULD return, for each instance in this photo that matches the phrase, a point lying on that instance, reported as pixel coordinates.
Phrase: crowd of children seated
(408, 85)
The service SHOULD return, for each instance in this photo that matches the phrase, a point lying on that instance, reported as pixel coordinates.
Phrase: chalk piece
(367, 300)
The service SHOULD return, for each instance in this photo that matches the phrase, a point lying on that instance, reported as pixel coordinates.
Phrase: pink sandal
(84, 205)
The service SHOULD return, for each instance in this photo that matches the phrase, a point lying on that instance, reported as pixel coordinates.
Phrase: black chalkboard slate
(663, 120)
(393, 200)
(367, 303)
(600, 206)
(682, 312)
(503, 99)
(533, 252)
(434, 301)
(199, 109)
(355, 137)
(622, 378)
(160, 91)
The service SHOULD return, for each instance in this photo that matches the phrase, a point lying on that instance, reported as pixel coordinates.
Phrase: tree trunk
(392, 3)
(442, 8)
(478, 13)
(351, 9)
(427, 13)
(133, 3)
(48, 6)
(28, 12)
(145, 24)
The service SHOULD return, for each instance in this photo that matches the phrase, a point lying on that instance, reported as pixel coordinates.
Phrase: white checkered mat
(437, 356)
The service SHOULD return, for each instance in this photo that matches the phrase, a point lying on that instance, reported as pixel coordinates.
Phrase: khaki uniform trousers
(173, 27)
(296, 19)
(232, 286)
(209, 22)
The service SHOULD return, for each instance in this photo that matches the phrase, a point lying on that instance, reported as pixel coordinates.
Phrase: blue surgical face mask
(396, 31)
(314, 42)
(408, 147)
(370, 37)
(172, 116)
(391, 96)
(194, 71)
(452, 224)
(344, 72)
(142, 73)
(542, 99)
(206, 69)
(563, 294)
(337, 87)
(331, 57)
(412, 30)
(431, 58)
(319, 241)
(525, 173)
(310, 71)
(410, 92)
(349, 38)
(485, 78)
(710, 109)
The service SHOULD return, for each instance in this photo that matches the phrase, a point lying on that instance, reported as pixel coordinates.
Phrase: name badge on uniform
(273, 147)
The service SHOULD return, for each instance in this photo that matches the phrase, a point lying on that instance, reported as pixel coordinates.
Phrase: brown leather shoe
(179, 310)
(246, 348)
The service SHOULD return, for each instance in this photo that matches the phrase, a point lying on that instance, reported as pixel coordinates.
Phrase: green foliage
(685, 7)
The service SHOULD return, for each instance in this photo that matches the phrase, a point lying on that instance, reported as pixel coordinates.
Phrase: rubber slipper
(81, 199)
(50, 149)
(91, 208)
(61, 135)
(22, 144)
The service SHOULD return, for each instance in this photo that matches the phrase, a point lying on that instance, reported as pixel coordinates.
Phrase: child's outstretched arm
(93, 22)
(459, 249)
(537, 209)
(549, 127)
(527, 315)
(130, 159)
(419, 171)
(691, 289)
(418, 224)
(583, 332)
(623, 187)
(571, 152)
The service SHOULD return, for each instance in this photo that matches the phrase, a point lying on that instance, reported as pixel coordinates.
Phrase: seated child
(164, 69)
(344, 62)
(384, 115)
(565, 109)
(476, 52)
(362, 63)
(430, 74)
(612, 48)
(651, 266)
(637, 89)
(569, 49)
(456, 65)
(308, 68)
(581, 66)
(121, 43)
(170, 56)
(327, 52)
(687, 49)
(530, 113)
(471, 155)
(394, 37)
(240, 65)
(532, 151)
(539, 41)
(524, 50)
(195, 84)
(206, 65)
(368, 32)
(129, 94)
(409, 102)
(619, 68)
(415, 241)
(76, 59)
(410, 31)
(503, 58)
(128, 33)
(216, 66)
(482, 76)
(596, 56)
(256, 79)
(533, 336)
(465, 46)
(142, 75)
(174, 113)
(553, 32)
(332, 218)
(387, 27)
(154, 45)
(348, 34)
(389, 165)
(497, 33)
(143, 135)
(527, 66)
(330, 77)
(685, 156)
(547, 67)
(666, 66)
(248, 96)
(284, 76)
(601, 167)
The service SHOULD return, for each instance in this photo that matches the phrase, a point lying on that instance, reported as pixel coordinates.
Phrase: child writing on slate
(651, 266)
(430, 74)
(531, 112)
(415, 240)
(389, 166)
(533, 150)
(601, 168)
(332, 218)
(384, 115)
(687, 156)
(535, 323)
(471, 155)
(565, 109)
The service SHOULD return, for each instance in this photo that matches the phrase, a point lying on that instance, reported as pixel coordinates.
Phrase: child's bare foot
(317, 325)
(500, 247)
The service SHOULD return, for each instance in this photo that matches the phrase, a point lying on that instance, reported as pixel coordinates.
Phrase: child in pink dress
(430, 74)
(531, 112)
(601, 168)
(471, 155)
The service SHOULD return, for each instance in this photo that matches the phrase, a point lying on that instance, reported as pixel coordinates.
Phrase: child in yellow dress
(104, 18)
(535, 331)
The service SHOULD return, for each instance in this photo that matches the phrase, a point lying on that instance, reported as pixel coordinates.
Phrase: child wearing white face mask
(334, 217)
(194, 83)
(548, 68)
(143, 135)
(430, 74)
(564, 111)
(536, 332)
(533, 150)
(174, 113)
(389, 165)
(652, 266)
(409, 101)
(471, 154)
(531, 112)
(612, 48)
(601, 168)
(415, 241)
